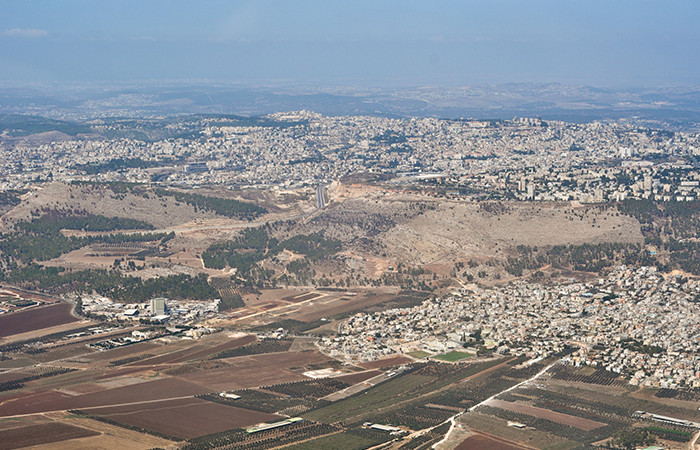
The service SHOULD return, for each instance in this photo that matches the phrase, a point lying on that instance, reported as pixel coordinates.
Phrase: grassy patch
(453, 356)
(338, 440)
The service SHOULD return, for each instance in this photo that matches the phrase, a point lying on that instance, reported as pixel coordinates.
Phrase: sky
(354, 42)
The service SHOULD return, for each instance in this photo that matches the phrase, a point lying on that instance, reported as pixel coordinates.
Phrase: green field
(338, 440)
(420, 354)
(454, 356)
(366, 403)
(426, 378)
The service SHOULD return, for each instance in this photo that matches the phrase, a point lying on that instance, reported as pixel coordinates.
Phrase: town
(633, 322)
(519, 159)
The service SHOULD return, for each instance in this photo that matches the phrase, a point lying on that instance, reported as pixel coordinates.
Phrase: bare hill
(419, 230)
(95, 199)
(458, 230)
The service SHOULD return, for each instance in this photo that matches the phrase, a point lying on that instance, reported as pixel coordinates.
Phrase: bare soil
(256, 370)
(479, 441)
(391, 361)
(185, 418)
(541, 413)
(36, 319)
(41, 434)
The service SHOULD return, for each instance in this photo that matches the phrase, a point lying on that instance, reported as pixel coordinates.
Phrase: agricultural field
(346, 440)
(169, 391)
(419, 354)
(478, 441)
(256, 370)
(571, 409)
(184, 418)
(240, 439)
(196, 352)
(47, 433)
(151, 389)
(286, 398)
(358, 377)
(34, 319)
(453, 356)
(118, 353)
(385, 363)
(553, 416)
(418, 385)
(478, 423)
(255, 348)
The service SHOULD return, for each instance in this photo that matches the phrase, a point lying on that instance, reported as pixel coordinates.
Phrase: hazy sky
(353, 42)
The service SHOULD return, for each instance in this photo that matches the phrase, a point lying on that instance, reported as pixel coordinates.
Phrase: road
(540, 373)
(452, 419)
(691, 446)
(321, 196)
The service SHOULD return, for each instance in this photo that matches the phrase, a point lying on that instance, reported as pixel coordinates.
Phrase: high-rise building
(530, 191)
(158, 306)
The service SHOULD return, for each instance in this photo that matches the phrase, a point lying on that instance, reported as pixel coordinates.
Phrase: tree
(631, 438)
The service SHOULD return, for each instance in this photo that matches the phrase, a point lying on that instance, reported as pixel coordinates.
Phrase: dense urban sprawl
(526, 159)
(634, 322)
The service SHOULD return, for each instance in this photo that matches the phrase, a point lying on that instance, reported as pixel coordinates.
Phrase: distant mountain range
(675, 108)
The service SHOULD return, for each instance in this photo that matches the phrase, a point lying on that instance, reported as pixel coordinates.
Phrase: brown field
(41, 434)
(109, 436)
(34, 334)
(126, 370)
(23, 422)
(386, 362)
(185, 418)
(15, 363)
(256, 370)
(541, 413)
(358, 377)
(494, 426)
(29, 402)
(36, 319)
(10, 376)
(158, 389)
(123, 352)
(479, 441)
(195, 352)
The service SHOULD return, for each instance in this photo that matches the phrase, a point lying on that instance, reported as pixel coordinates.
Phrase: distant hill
(18, 125)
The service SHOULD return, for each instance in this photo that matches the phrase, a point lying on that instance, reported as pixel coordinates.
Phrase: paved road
(321, 195)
